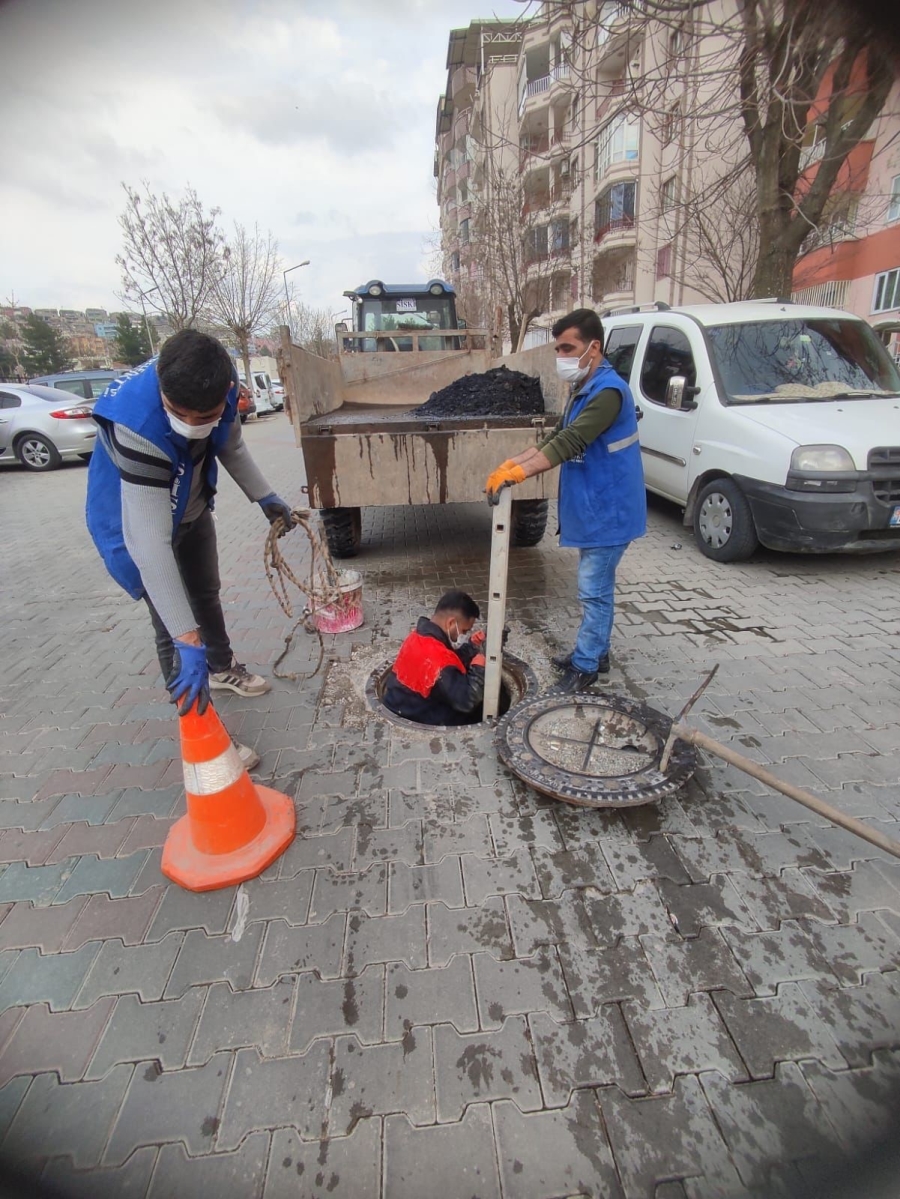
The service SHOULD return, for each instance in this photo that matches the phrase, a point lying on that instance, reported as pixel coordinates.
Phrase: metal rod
(493, 645)
(590, 745)
(835, 815)
(670, 740)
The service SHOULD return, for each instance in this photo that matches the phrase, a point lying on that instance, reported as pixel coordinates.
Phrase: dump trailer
(354, 416)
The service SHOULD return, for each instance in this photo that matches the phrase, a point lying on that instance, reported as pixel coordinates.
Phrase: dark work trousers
(198, 562)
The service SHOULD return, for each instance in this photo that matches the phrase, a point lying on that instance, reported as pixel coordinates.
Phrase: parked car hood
(857, 425)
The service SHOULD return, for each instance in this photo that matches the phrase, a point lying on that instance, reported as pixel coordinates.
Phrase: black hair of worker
(458, 601)
(195, 371)
(585, 320)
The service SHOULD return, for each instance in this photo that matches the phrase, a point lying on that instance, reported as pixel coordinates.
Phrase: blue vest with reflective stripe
(602, 500)
(134, 402)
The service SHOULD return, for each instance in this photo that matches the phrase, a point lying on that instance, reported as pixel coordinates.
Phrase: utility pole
(287, 296)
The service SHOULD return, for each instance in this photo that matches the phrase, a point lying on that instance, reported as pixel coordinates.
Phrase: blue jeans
(596, 590)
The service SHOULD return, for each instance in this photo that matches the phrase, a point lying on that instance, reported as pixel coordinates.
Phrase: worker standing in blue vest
(602, 501)
(151, 486)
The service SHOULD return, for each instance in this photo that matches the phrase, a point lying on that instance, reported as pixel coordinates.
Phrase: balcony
(824, 295)
(617, 146)
(614, 212)
(613, 22)
(539, 87)
(462, 84)
(612, 275)
(534, 151)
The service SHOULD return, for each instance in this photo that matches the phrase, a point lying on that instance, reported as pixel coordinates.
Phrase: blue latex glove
(189, 679)
(274, 506)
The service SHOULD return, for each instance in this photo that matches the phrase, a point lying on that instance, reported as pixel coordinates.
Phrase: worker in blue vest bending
(151, 489)
(602, 502)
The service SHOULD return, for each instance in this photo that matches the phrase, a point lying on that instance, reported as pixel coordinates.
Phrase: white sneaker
(237, 678)
(249, 757)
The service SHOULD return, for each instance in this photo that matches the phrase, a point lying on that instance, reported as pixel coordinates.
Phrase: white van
(767, 421)
(261, 391)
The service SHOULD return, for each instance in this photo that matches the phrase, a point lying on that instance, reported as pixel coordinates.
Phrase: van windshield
(794, 361)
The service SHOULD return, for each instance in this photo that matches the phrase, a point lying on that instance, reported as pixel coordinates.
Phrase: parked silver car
(40, 426)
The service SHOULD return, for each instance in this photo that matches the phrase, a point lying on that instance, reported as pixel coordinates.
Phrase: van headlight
(822, 468)
(821, 457)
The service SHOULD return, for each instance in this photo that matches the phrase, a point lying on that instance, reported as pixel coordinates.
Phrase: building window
(464, 232)
(887, 291)
(454, 261)
(536, 243)
(667, 194)
(664, 262)
(614, 209)
(894, 209)
(559, 236)
(669, 129)
(617, 143)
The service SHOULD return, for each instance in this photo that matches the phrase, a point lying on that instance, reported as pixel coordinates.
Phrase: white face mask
(570, 370)
(460, 639)
(191, 432)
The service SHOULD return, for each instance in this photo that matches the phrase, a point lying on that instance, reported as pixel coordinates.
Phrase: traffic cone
(233, 829)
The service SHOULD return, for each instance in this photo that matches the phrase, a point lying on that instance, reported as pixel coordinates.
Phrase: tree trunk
(514, 325)
(774, 270)
(245, 355)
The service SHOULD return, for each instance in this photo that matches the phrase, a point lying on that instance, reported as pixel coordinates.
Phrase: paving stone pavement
(447, 985)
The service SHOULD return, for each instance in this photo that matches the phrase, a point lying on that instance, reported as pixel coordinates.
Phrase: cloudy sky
(314, 119)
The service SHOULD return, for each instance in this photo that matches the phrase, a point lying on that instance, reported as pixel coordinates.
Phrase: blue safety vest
(602, 500)
(134, 402)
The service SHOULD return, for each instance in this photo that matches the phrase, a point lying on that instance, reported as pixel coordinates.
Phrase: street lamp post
(287, 297)
(144, 311)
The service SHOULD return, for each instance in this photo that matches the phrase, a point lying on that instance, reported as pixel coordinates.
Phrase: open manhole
(596, 751)
(516, 682)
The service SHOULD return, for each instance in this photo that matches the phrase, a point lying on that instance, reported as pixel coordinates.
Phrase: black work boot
(562, 662)
(574, 681)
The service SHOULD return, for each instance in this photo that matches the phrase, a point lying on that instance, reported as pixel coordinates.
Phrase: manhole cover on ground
(597, 751)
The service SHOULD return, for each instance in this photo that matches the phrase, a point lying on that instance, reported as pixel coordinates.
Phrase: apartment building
(854, 261)
(542, 100)
(610, 208)
(475, 139)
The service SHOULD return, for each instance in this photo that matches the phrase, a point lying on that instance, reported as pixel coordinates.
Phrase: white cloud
(317, 124)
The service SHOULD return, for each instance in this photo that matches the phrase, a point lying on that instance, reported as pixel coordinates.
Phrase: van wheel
(529, 521)
(723, 523)
(343, 531)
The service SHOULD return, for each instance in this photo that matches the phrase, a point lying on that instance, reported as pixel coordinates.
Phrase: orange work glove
(502, 476)
(478, 638)
(479, 660)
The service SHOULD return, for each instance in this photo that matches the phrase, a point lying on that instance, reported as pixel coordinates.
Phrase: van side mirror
(679, 395)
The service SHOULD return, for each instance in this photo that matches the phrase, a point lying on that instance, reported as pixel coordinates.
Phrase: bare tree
(518, 245)
(719, 236)
(246, 295)
(786, 88)
(171, 255)
(314, 330)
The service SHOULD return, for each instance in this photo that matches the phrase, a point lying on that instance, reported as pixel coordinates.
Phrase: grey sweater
(147, 511)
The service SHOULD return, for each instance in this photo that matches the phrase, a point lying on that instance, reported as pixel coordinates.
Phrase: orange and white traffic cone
(233, 829)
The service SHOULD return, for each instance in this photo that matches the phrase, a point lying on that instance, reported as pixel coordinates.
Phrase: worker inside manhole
(438, 675)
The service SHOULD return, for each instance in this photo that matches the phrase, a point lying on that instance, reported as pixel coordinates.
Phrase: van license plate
(895, 518)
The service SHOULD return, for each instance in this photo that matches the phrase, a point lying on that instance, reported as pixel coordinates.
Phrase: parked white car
(278, 393)
(261, 392)
(767, 421)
